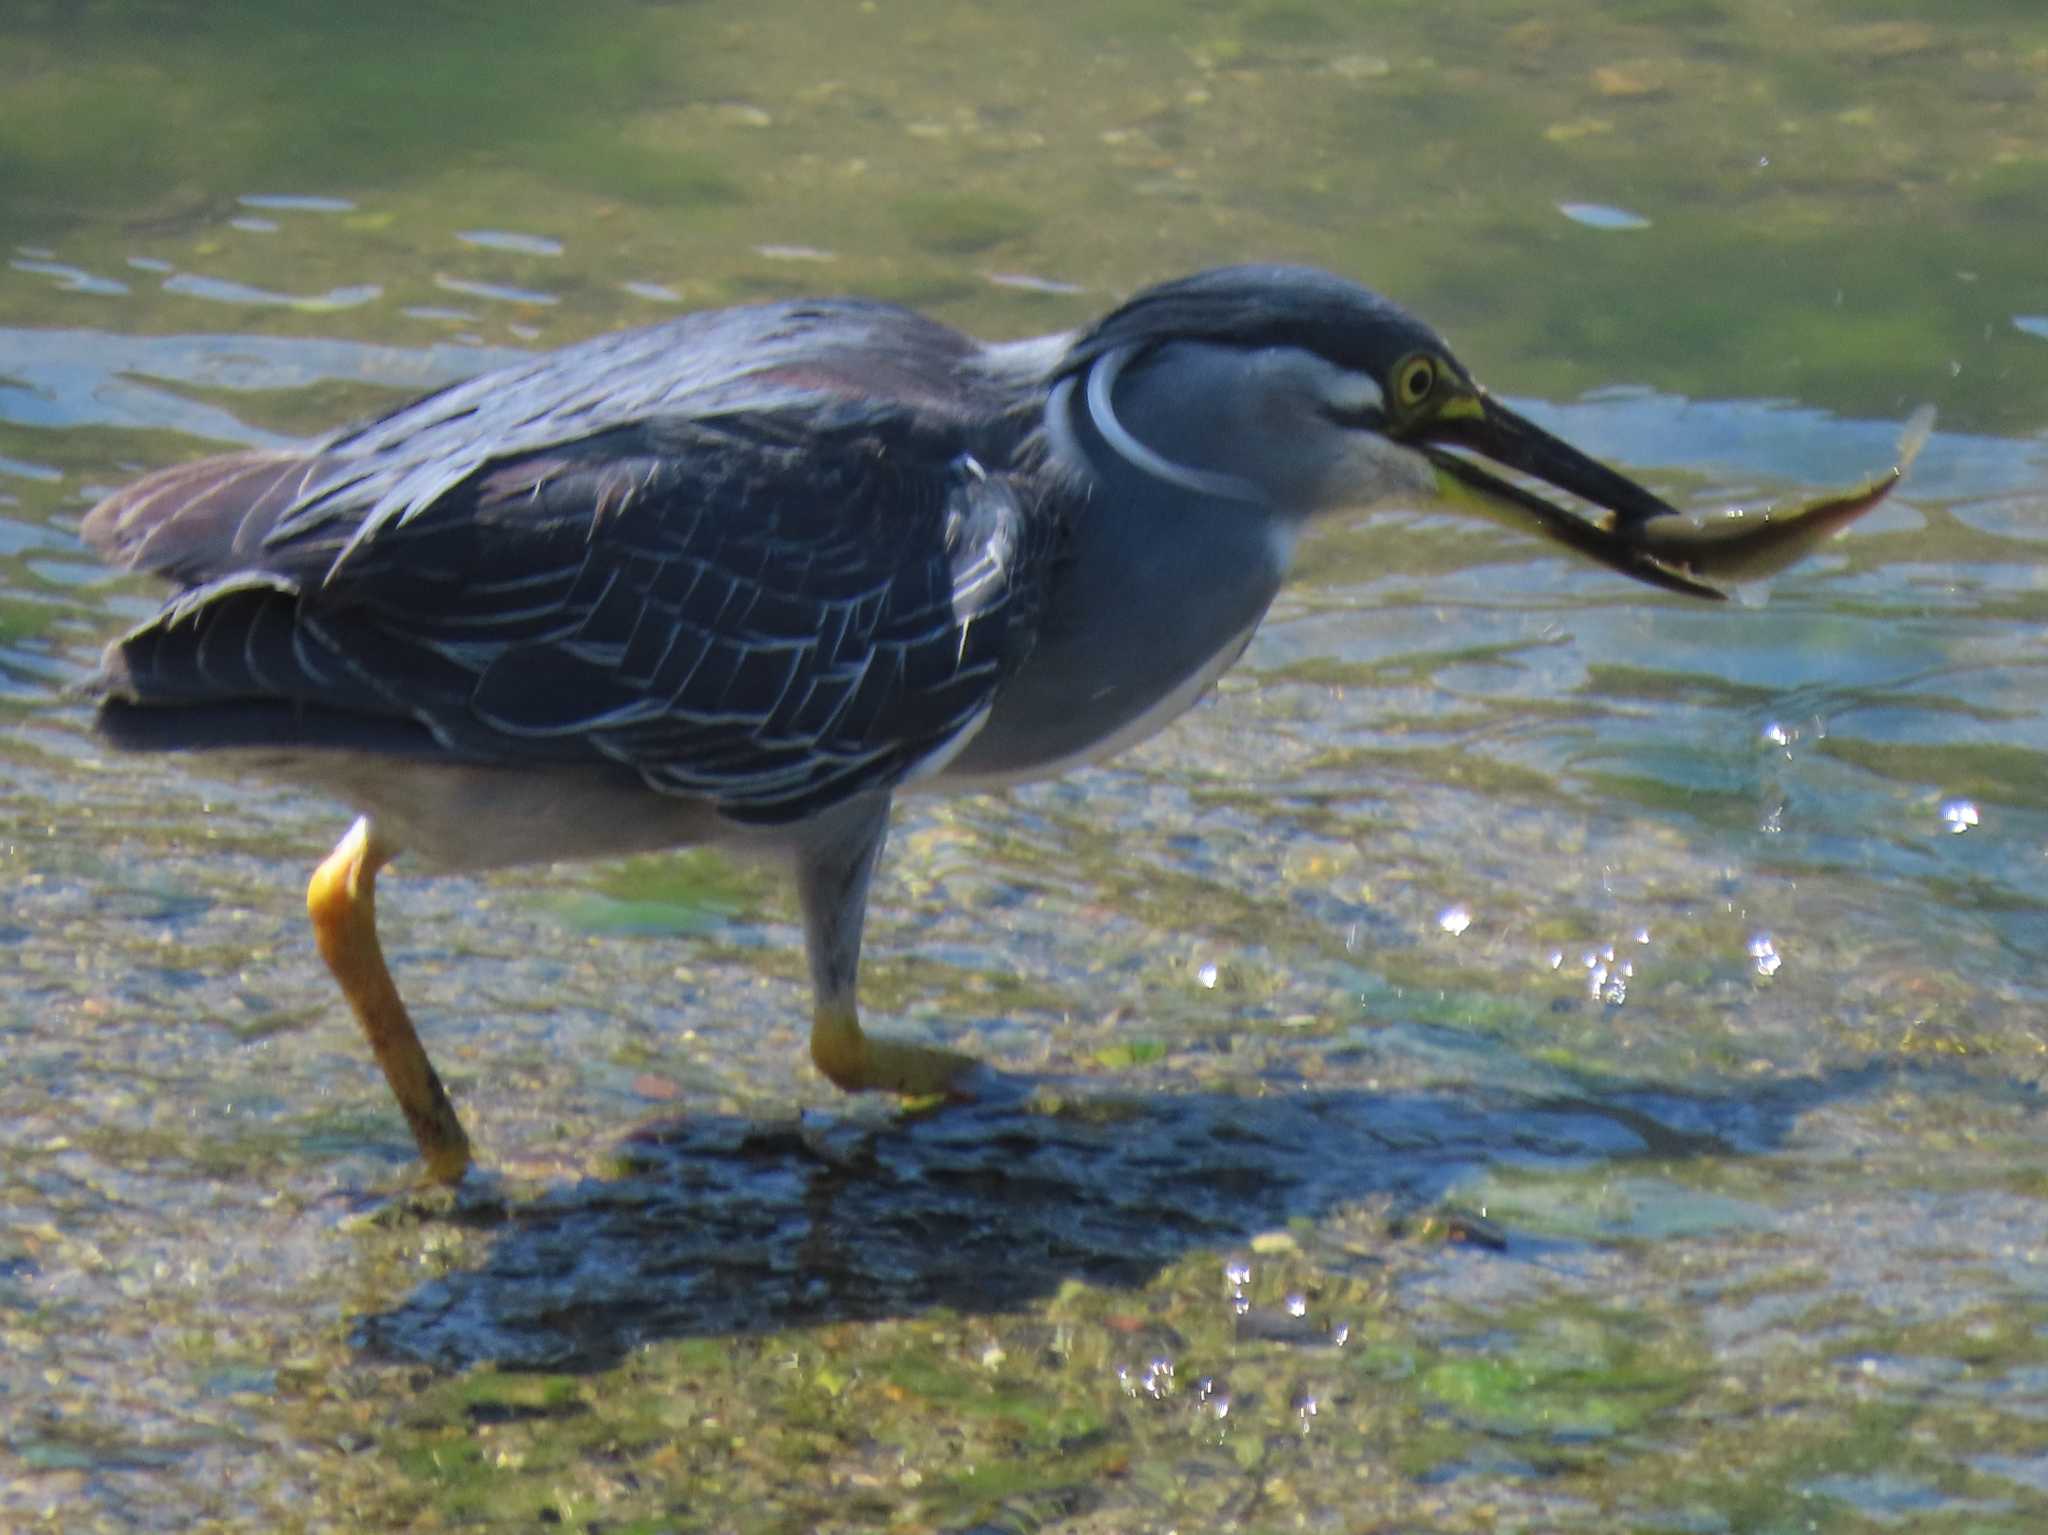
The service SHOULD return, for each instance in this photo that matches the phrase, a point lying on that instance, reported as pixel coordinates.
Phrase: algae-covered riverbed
(1529, 1053)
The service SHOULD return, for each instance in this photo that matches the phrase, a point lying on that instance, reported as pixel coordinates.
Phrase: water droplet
(1776, 734)
(1454, 919)
(1340, 1333)
(1557, 959)
(1219, 1404)
(1765, 954)
(1206, 976)
(1297, 1304)
(1238, 1272)
(1642, 935)
(1959, 815)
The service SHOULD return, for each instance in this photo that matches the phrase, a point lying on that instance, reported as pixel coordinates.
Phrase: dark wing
(770, 610)
(202, 520)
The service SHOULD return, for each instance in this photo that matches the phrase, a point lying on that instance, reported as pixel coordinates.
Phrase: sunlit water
(1523, 1030)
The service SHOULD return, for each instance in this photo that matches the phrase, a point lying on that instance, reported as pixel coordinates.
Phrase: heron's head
(1294, 391)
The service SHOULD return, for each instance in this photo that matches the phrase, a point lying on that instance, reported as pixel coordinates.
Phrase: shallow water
(1529, 1053)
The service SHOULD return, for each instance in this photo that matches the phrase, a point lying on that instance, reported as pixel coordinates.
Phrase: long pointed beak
(1489, 428)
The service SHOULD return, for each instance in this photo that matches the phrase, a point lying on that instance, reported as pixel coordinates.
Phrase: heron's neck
(1158, 592)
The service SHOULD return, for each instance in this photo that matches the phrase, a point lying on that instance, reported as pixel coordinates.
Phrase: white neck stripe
(1102, 379)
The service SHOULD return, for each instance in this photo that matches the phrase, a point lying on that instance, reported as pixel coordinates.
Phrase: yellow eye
(1413, 381)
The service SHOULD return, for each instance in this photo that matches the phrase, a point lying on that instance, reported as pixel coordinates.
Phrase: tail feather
(231, 661)
(233, 639)
(259, 725)
(194, 521)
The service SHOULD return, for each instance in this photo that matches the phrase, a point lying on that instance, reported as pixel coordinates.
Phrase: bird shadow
(718, 1226)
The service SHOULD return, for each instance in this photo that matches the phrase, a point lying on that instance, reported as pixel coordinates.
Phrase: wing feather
(770, 609)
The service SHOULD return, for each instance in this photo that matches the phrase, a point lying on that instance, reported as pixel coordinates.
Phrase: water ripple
(510, 240)
(293, 203)
(501, 292)
(221, 290)
(70, 278)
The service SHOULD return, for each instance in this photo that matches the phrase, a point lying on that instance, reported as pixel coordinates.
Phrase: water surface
(1529, 1053)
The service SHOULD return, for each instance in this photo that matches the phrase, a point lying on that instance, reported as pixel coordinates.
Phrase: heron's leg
(832, 874)
(342, 900)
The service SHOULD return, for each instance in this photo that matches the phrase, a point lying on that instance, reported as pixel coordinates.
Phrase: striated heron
(738, 578)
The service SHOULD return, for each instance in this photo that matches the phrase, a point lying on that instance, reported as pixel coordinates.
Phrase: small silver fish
(1747, 546)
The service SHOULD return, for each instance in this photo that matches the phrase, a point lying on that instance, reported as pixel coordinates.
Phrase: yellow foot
(857, 1062)
(444, 1148)
(342, 901)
